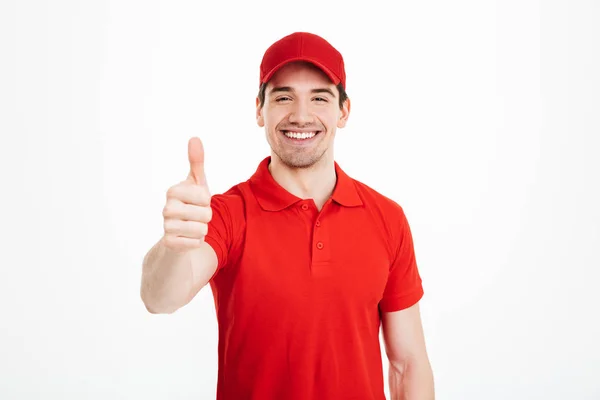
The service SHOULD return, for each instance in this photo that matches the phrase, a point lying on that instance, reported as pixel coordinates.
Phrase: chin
(300, 160)
(299, 164)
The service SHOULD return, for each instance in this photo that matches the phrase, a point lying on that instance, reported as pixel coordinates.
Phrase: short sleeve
(225, 227)
(404, 287)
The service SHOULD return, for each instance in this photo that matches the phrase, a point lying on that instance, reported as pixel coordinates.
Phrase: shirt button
(319, 245)
(318, 223)
(305, 207)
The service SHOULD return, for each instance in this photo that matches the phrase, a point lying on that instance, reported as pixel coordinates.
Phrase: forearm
(412, 380)
(167, 279)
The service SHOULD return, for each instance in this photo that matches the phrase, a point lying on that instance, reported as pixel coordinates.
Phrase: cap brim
(336, 80)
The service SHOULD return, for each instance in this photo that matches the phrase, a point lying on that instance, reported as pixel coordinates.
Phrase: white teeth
(300, 135)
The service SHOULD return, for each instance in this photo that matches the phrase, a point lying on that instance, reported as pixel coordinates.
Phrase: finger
(178, 243)
(175, 209)
(196, 159)
(188, 229)
(190, 194)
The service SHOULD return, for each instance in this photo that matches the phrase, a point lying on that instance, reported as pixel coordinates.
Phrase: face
(300, 115)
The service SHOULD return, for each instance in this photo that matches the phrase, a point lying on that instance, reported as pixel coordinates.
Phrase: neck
(316, 182)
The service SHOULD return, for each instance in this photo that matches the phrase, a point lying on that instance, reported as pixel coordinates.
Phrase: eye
(321, 99)
(282, 98)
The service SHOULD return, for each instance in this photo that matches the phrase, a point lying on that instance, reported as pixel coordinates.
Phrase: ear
(259, 117)
(345, 113)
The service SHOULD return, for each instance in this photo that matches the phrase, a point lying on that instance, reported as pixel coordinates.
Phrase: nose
(300, 114)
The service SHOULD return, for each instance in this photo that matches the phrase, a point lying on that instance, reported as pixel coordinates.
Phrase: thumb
(196, 158)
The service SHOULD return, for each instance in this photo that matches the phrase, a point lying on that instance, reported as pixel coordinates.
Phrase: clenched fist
(187, 210)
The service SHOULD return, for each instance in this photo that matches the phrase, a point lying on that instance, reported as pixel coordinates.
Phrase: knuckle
(209, 214)
(169, 225)
(172, 192)
(202, 196)
(203, 228)
(202, 214)
(171, 208)
(196, 230)
(170, 241)
(207, 198)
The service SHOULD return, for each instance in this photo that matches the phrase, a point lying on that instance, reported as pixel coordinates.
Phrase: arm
(410, 373)
(171, 279)
(182, 262)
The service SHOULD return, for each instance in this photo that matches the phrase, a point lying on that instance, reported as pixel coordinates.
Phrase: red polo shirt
(298, 292)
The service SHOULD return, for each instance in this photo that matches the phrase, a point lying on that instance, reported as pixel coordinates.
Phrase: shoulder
(230, 202)
(232, 196)
(375, 199)
(386, 212)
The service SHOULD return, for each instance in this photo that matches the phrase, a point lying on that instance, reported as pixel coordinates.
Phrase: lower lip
(300, 141)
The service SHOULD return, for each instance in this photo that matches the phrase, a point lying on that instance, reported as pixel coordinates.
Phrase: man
(305, 263)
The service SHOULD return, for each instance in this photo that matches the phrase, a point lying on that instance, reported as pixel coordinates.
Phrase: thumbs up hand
(187, 210)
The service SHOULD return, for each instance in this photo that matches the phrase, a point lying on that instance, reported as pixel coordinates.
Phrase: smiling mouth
(300, 135)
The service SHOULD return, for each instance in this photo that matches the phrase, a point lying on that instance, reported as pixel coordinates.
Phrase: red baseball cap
(303, 46)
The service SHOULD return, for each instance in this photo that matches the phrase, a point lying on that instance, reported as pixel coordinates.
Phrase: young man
(305, 263)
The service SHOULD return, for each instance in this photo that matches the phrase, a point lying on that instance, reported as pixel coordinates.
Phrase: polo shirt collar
(273, 197)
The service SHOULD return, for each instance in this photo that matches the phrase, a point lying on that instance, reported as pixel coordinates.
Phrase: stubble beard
(300, 158)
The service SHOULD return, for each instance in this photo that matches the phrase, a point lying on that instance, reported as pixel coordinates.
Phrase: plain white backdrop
(481, 118)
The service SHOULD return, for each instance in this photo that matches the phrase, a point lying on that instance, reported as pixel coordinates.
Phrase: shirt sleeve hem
(402, 302)
(218, 250)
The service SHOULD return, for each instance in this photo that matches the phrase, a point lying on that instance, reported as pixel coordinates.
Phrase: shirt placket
(320, 240)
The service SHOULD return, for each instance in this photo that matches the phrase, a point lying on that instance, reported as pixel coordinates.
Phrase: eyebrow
(290, 89)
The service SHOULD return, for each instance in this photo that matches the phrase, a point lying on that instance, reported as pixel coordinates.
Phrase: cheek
(329, 118)
(273, 117)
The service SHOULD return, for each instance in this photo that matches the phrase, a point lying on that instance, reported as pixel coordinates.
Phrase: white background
(480, 118)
